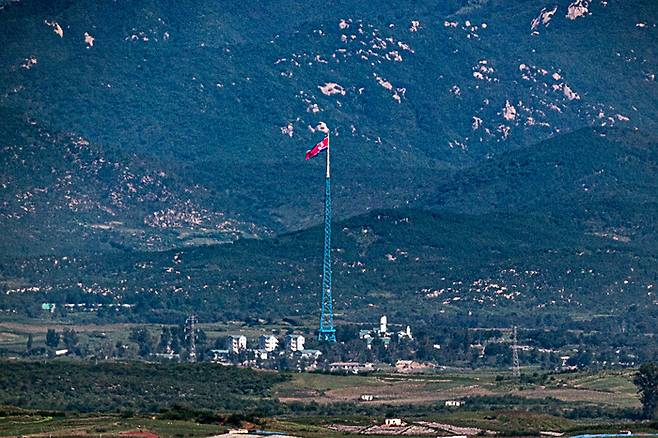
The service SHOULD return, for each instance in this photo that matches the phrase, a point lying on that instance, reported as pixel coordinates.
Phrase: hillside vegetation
(223, 100)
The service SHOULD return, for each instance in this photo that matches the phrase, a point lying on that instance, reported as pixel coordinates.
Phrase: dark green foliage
(52, 338)
(142, 337)
(646, 381)
(200, 90)
(114, 387)
(70, 338)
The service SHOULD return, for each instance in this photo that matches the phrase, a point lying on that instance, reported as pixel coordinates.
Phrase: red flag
(324, 144)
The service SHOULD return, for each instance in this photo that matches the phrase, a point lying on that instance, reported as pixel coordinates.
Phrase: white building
(294, 342)
(454, 403)
(405, 334)
(262, 354)
(383, 322)
(236, 343)
(268, 342)
(351, 367)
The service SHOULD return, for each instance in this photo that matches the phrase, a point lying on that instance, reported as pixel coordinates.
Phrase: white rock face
(288, 130)
(384, 83)
(509, 112)
(483, 71)
(56, 28)
(331, 88)
(313, 108)
(322, 127)
(569, 93)
(29, 63)
(544, 18)
(578, 8)
(394, 55)
(89, 40)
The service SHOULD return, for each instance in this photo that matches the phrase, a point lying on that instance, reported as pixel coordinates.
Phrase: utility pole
(516, 367)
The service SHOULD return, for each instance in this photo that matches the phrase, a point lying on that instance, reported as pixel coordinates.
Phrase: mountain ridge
(425, 88)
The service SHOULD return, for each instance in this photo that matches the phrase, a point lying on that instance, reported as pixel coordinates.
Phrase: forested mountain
(225, 99)
(491, 159)
(588, 250)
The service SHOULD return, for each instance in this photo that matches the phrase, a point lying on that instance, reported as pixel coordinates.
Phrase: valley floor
(328, 405)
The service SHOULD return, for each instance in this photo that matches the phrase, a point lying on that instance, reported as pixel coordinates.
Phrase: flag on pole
(324, 144)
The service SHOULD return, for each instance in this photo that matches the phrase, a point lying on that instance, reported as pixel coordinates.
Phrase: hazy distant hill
(225, 98)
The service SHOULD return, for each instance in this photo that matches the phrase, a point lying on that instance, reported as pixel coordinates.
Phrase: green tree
(52, 338)
(70, 338)
(646, 380)
(165, 339)
(143, 339)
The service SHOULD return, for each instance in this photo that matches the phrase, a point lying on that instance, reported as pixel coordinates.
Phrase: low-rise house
(454, 403)
(310, 354)
(405, 334)
(411, 366)
(351, 367)
(262, 354)
(169, 355)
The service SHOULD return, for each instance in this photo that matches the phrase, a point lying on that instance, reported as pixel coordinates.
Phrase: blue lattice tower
(327, 333)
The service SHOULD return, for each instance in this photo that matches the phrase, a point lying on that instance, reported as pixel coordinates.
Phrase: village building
(294, 343)
(236, 343)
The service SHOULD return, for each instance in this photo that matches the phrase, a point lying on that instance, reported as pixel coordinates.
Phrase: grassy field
(611, 388)
(31, 424)
(415, 398)
(14, 334)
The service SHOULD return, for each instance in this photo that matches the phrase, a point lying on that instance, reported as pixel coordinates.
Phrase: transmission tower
(516, 367)
(327, 332)
(191, 336)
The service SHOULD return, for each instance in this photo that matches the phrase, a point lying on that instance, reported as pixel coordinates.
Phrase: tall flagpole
(327, 332)
(328, 150)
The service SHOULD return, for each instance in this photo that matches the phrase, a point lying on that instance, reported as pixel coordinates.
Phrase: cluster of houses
(383, 333)
(268, 349)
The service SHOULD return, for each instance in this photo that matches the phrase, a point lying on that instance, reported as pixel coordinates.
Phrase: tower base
(327, 335)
